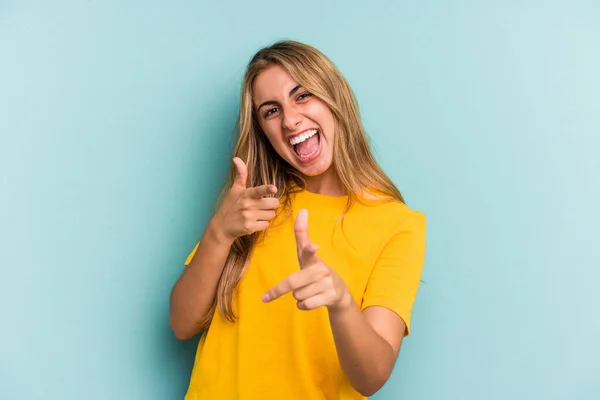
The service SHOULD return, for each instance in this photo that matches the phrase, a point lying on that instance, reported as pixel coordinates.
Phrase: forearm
(194, 292)
(366, 358)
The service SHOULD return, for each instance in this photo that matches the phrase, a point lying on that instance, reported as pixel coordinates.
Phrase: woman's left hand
(316, 284)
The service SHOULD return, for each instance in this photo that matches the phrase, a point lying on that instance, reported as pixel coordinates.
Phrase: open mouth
(307, 145)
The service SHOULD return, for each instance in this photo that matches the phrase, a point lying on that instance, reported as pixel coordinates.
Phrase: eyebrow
(273, 102)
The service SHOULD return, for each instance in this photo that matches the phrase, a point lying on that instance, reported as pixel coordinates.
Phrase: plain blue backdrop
(116, 123)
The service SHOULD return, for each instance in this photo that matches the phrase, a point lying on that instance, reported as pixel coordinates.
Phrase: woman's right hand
(245, 210)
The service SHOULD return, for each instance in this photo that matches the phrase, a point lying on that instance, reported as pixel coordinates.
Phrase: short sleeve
(396, 275)
(192, 254)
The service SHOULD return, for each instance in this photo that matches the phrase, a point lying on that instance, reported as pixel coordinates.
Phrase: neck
(327, 183)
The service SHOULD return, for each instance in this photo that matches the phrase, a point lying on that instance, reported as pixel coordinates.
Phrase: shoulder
(388, 216)
(394, 209)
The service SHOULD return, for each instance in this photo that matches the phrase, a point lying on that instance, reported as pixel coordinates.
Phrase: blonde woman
(304, 280)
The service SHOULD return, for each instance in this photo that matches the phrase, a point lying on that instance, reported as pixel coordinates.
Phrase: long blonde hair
(317, 74)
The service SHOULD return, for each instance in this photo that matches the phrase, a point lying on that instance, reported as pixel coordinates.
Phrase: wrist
(345, 304)
(217, 233)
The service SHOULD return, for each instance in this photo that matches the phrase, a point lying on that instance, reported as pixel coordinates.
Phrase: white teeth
(301, 138)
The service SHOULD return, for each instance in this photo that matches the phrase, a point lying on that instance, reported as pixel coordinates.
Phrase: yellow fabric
(276, 351)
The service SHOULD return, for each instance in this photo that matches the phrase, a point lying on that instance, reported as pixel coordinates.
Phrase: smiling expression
(288, 115)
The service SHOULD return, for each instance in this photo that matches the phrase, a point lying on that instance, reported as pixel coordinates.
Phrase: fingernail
(266, 297)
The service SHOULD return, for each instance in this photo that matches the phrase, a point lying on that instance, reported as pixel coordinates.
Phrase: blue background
(116, 119)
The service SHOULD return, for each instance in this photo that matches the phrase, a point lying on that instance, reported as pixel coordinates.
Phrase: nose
(291, 118)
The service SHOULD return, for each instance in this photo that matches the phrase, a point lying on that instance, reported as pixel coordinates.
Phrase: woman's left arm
(367, 342)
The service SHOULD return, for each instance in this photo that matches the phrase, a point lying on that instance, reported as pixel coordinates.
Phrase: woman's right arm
(194, 292)
(244, 211)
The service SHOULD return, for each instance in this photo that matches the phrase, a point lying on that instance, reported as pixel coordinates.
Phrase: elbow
(369, 388)
(181, 334)
(185, 325)
(181, 331)
(369, 391)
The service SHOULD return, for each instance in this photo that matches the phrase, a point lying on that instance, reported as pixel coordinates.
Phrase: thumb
(301, 229)
(304, 247)
(241, 177)
(308, 255)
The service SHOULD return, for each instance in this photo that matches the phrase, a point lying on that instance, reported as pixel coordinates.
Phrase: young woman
(305, 277)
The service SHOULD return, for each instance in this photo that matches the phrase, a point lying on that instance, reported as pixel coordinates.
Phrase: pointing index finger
(278, 290)
(290, 283)
(259, 192)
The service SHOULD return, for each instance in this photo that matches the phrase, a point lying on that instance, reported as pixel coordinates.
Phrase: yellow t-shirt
(274, 351)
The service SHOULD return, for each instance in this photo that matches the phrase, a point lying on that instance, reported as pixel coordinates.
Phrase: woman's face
(299, 125)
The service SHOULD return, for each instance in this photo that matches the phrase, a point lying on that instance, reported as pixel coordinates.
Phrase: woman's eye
(270, 111)
(304, 95)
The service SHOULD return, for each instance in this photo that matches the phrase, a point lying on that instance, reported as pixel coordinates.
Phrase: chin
(312, 170)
